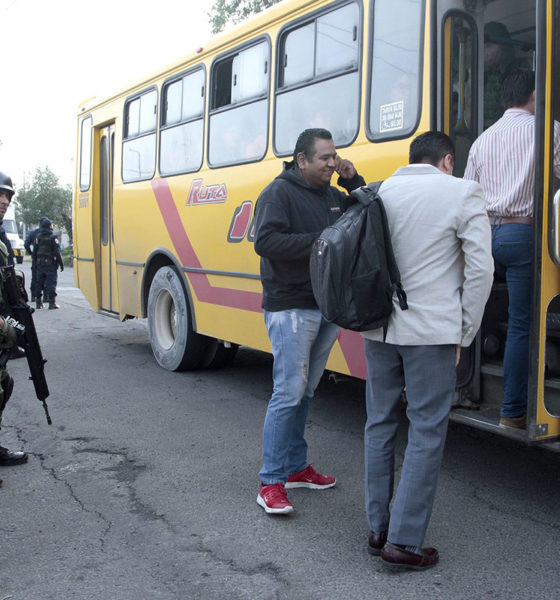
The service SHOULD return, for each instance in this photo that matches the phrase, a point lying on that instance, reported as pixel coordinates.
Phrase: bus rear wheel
(175, 344)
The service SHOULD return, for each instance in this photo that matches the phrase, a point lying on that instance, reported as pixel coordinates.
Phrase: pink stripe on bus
(204, 291)
(352, 346)
(351, 343)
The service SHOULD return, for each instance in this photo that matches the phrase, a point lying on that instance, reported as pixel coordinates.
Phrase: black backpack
(353, 270)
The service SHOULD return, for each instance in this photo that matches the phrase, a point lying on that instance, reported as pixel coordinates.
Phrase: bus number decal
(240, 222)
(211, 194)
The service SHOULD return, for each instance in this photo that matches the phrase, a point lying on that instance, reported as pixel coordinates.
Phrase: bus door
(107, 264)
(478, 43)
(545, 389)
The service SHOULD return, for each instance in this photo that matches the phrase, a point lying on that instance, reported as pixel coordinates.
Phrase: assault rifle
(16, 299)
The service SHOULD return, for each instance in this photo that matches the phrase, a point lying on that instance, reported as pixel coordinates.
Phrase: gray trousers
(429, 375)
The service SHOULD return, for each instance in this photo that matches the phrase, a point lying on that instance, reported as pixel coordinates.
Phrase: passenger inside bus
(502, 161)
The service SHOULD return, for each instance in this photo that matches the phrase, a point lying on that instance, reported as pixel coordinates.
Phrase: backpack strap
(374, 187)
(392, 267)
(362, 195)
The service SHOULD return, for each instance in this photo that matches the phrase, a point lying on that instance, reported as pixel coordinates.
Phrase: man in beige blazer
(441, 238)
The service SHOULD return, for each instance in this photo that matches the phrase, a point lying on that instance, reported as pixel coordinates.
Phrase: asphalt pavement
(144, 487)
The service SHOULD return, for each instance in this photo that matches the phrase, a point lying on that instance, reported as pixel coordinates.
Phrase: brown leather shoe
(396, 557)
(376, 541)
(514, 422)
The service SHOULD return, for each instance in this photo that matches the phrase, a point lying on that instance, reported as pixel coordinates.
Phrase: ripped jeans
(301, 343)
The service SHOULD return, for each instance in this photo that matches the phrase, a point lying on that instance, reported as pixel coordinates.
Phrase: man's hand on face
(344, 168)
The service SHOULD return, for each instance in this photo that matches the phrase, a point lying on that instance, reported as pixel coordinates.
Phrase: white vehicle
(10, 227)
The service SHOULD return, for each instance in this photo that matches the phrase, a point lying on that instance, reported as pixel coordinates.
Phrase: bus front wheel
(175, 344)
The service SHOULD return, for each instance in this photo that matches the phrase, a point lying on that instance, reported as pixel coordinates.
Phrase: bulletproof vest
(44, 246)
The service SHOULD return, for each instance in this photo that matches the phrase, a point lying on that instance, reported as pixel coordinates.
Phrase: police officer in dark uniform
(7, 333)
(47, 257)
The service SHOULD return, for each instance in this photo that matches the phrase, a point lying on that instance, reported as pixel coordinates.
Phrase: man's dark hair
(517, 87)
(306, 141)
(430, 147)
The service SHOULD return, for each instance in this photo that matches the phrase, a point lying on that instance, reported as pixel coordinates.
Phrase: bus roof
(221, 41)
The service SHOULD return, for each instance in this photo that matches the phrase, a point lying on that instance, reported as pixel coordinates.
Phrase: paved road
(144, 488)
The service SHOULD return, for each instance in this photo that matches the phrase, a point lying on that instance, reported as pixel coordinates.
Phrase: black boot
(53, 305)
(39, 304)
(8, 458)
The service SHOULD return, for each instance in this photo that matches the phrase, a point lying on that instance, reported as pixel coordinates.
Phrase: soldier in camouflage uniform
(7, 333)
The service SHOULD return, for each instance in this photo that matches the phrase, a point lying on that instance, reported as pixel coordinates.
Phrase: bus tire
(19, 259)
(175, 344)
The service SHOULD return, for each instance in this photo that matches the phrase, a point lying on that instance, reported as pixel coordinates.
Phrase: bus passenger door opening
(107, 275)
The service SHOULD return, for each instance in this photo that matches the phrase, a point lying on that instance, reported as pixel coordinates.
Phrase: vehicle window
(9, 226)
(318, 80)
(239, 106)
(298, 56)
(182, 130)
(139, 145)
(85, 154)
(394, 95)
(173, 95)
(337, 40)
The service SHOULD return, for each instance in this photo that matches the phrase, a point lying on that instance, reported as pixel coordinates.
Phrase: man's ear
(449, 163)
(301, 160)
(445, 165)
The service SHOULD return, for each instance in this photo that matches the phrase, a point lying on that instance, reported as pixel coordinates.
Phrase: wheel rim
(165, 320)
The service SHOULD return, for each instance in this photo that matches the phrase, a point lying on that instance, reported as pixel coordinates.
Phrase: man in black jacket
(291, 213)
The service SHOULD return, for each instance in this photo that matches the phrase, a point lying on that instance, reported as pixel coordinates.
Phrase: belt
(499, 220)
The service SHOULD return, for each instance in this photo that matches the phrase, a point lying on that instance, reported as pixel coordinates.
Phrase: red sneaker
(274, 500)
(309, 478)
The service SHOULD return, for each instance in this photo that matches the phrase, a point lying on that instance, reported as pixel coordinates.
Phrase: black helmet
(6, 184)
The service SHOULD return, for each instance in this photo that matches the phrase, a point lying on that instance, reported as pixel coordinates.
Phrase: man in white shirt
(441, 240)
(502, 160)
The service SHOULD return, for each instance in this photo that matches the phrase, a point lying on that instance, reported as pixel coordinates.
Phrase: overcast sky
(56, 53)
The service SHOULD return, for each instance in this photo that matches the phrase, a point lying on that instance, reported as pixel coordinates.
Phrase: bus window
(182, 124)
(239, 106)
(460, 77)
(139, 146)
(85, 155)
(395, 69)
(318, 78)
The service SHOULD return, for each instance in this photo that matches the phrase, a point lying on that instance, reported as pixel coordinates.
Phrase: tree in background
(45, 197)
(224, 12)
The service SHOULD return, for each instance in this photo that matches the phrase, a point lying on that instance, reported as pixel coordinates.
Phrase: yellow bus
(169, 170)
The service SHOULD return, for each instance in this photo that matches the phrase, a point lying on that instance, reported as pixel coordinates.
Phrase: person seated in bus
(502, 161)
(290, 214)
(499, 60)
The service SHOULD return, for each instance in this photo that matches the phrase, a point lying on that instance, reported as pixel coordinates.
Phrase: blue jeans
(512, 247)
(301, 343)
